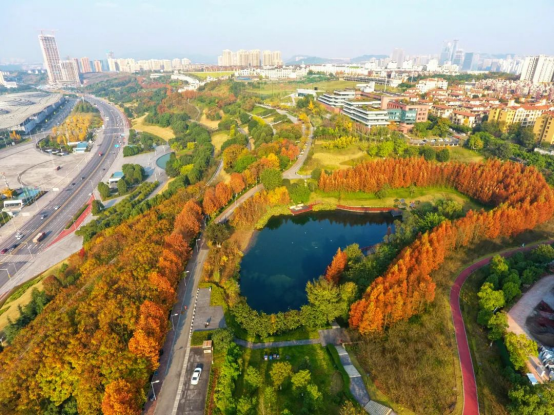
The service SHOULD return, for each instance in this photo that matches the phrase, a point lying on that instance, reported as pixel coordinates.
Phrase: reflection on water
(290, 251)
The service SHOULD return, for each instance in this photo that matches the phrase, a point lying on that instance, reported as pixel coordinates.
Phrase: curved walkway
(471, 400)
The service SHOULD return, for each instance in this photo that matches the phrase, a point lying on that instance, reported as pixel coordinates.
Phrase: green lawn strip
(374, 393)
(314, 358)
(21, 289)
(198, 337)
(370, 199)
(76, 216)
(345, 377)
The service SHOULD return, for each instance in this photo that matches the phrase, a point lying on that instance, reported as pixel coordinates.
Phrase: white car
(196, 376)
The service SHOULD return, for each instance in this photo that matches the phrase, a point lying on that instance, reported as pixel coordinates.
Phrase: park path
(471, 400)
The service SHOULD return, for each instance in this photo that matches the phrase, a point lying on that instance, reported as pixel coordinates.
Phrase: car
(82, 178)
(19, 236)
(196, 376)
(73, 183)
(4, 251)
(43, 216)
(56, 207)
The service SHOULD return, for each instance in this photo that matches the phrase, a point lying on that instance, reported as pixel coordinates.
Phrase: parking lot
(193, 398)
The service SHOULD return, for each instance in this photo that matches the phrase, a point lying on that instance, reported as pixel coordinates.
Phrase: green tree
(543, 254)
(271, 179)
(222, 339)
(531, 400)
(428, 153)
(104, 190)
(301, 379)
(443, 155)
(499, 265)
(279, 373)
(324, 303)
(475, 142)
(490, 299)
(253, 377)
(246, 405)
(511, 290)
(217, 232)
(520, 348)
(97, 207)
(122, 186)
(498, 323)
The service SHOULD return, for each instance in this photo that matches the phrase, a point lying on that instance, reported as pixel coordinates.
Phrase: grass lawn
(218, 139)
(314, 358)
(212, 124)
(21, 296)
(430, 194)
(461, 154)
(216, 74)
(332, 159)
(165, 133)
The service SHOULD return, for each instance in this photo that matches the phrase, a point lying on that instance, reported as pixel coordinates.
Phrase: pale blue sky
(337, 28)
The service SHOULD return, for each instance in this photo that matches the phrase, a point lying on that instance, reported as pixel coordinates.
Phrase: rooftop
(16, 108)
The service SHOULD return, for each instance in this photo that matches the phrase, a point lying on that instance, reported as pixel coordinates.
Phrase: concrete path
(276, 344)
(521, 310)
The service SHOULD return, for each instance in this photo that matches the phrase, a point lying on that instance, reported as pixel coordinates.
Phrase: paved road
(69, 200)
(471, 401)
(292, 172)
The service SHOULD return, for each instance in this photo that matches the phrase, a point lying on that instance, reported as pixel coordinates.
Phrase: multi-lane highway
(53, 218)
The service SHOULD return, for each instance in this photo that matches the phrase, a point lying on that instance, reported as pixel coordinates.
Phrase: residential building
(97, 66)
(406, 115)
(70, 72)
(112, 65)
(525, 114)
(544, 128)
(443, 111)
(430, 84)
(267, 58)
(85, 65)
(538, 69)
(51, 57)
(254, 58)
(338, 98)
(463, 118)
(277, 60)
(369, 113)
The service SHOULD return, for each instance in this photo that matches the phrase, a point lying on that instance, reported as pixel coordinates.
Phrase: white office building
(368, 113)
(338, 98)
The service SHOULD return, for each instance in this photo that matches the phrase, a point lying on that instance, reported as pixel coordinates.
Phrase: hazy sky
(328, 28)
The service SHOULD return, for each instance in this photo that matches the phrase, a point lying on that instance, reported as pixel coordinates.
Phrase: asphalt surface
(69, 199)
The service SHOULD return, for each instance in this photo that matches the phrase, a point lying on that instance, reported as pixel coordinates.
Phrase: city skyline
(403, 25)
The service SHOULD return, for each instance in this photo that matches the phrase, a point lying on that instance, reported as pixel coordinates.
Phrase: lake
(162, 161)
(290, 251)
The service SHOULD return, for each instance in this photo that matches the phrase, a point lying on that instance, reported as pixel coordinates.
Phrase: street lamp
(153, 389)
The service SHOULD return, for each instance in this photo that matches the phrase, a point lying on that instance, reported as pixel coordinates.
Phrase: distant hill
(308, 60)
(364, 58)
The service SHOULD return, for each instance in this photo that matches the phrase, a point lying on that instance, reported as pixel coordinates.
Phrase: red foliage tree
(337, 266)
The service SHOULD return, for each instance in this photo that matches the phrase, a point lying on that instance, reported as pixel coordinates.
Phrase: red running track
(471, 401)
(76, 224)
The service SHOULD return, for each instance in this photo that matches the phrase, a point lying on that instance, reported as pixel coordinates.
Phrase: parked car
(56, 207)
(196, 376)
(4, 251)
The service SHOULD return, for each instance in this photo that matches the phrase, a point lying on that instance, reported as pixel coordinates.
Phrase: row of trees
(524, 197)
(95, 344)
